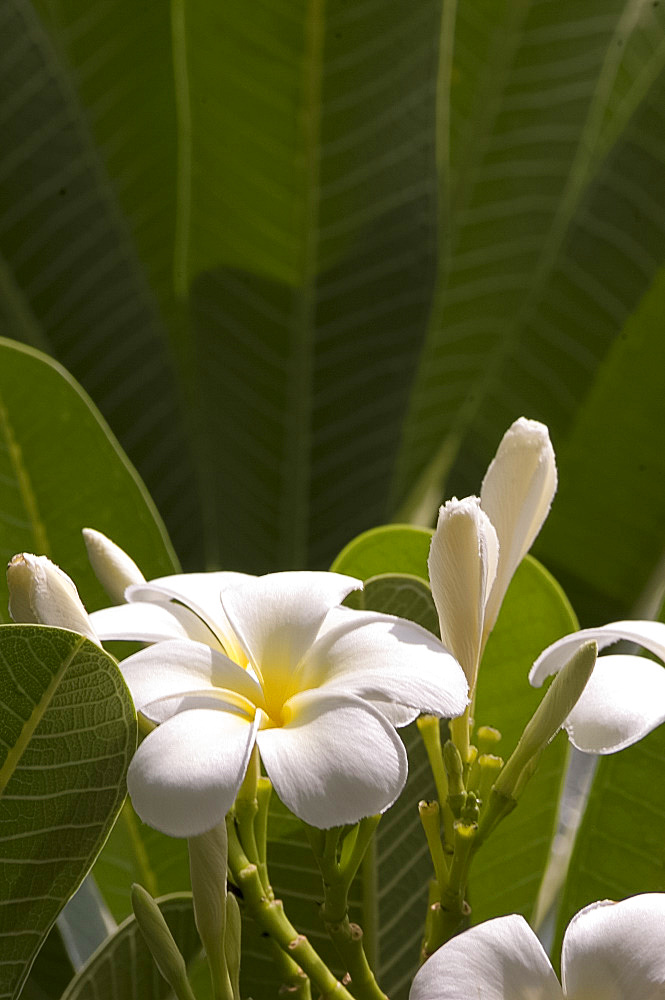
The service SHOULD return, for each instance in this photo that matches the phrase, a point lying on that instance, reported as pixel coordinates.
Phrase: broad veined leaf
(123, 967)
(61, 470)
(71, 281)
(605, 533)
(555, 224)
(619, 850)
(135, 852)
(508, 869)
(390, 548)
(68, 732)
(306, 250)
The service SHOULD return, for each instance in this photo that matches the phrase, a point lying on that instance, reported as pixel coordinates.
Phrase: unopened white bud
(40, 593)
(114, 569)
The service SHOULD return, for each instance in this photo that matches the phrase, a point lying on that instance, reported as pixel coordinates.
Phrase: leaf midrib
(16, 752)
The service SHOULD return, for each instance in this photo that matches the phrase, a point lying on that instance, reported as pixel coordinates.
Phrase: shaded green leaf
(605, 533)
(306, 249)
(61, 470)
(620, 846)
(123, 967)
(134, 852)
(79, 148)
(508, 869)
(68, 731)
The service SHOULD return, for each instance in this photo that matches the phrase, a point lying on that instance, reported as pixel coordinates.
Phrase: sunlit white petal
(334, 760)
(462, 566)
(184, 777)
(150, 623)
(384, 658)
(501, 959)
(276, 619)
(622, 702)
(516, 494)
(200, 592)
(650, 635)
(170, 668)
(616, 951)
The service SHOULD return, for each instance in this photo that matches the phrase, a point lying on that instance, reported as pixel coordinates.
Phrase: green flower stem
(269, 915)
(454, 908)
(337, 877)
(430, 731)
(247, 808)
(263, 794)
(489, 766)
(455, 771)
(460, 731)
(295, 983)
(429, 817)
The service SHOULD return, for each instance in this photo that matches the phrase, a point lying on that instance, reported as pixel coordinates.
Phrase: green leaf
(611, 473)
(555, 225)
(68, 732)
(506, 874)
(399, 594)
(135, 852)
(620, 846)
(305, 247)
(80, 149)
(61, 470)
(123, 966)
(390, 548)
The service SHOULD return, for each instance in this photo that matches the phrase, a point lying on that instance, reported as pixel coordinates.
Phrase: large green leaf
(509, 867)
(306, 243)
(555, 226)
(620, 846)
(135, 852)
(61, 470)
(68, 731)
(606, 528)
(79, 147)
(123, 967)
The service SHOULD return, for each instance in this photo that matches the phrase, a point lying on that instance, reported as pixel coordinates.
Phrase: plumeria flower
(611, 951)
(480, 541)
(275, 662)
(625, 697)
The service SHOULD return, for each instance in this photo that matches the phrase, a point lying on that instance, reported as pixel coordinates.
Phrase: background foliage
(309, 265)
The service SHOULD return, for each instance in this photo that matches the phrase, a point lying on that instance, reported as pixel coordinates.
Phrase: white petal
(114, 569)
(501, 959)
(462, 565)
(516, 494)
(616, 950)
(41, 593)
(184, 777)
(335, 760)
(622, 702)
(200, 592)
(171, 668)
(144, 622)
(649, 635)
(385, 659)
(277, 617)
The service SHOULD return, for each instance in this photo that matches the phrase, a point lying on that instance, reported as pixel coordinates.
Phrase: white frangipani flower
(611, 951)
(625, 698)
(273, 661)
(480, 541)
(40, 593)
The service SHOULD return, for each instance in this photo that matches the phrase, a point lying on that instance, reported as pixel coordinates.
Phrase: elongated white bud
(160, 942)
(40, 593)
(114, 569)
(207, 868)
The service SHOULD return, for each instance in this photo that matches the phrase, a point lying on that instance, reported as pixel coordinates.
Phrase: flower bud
(207, 869)
(160, 942)
(40, 593)
(113, 568)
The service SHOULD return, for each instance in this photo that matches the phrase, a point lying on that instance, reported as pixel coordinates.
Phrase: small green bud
(487, 738)
(560, 698)
(470, 809)
(160, 942)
